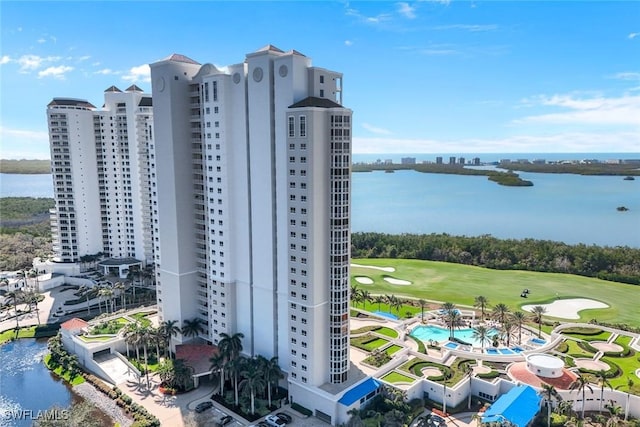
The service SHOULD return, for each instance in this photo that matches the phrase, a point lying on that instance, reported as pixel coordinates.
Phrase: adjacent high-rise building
(252, 211)
(100, 170)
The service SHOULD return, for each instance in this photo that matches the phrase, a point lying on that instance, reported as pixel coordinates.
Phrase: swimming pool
(451, 345)
(538, 341)
(435, 333)
(386, 314)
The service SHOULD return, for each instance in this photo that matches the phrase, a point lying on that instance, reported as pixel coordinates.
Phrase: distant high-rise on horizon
(100, 171)
(252, 211)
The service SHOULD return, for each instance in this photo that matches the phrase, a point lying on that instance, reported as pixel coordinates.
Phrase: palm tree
(356, 296)
(16, 297)
(519, 319)
(615, 411)
(33, 274)
(538, 311)
(169, 329)
(272, 374)
(481, 334)
(235, 368)
(366, 297)
(396, 303)
(121, 288)
(506, 330)
(378, 299)
(145, 340)
(629, 387)
(603, 381)
(132, 336)
(105, 293)
(452, 318)
(500, 312)
(482, 303)
(581, 385)
(231, 345)
(549, 392)
(32, 298)
(218, 362)
(253, 380)
(422, 303)
(469, 373)
(193, 327)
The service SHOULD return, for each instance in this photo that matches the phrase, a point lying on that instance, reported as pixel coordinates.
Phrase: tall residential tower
(100, 169)
(253, 211)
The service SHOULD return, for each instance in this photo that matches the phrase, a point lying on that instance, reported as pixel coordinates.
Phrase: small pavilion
(517, 407)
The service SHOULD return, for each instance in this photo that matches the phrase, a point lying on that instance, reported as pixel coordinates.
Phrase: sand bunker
(387, 269)
(594, 365)
(567, 308)
(397, 281)
(431, 372)
(364, 280)
(606, 347)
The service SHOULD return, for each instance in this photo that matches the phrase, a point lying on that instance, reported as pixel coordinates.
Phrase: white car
(274, 421)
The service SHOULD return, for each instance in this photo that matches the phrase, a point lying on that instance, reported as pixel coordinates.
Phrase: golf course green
(460, 284)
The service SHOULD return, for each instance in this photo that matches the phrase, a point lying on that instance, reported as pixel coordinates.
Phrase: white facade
(100, 169)
(253, 207)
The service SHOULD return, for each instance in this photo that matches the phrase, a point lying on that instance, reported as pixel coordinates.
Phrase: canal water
(27, 385)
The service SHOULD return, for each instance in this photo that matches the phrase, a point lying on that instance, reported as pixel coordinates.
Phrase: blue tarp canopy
(359, 391)
(518, 406)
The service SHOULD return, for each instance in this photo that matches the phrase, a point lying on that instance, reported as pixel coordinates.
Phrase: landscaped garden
(368, 342)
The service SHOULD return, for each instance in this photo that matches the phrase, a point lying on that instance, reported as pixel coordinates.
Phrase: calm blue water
(36, 185)
(25, 383)
(429, 332)
(560, 207)
(567, 208)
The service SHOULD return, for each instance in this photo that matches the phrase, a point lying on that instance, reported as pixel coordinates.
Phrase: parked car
(434, 420)
(284, 417)
(275, 421)
(203, 406)
(225, 420)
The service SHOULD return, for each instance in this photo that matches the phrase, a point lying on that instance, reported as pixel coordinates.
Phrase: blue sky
(425, 76)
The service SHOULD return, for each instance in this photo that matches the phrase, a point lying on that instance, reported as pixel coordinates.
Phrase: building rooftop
(176, 57)
(312, 101)
(74, 323)
(133, 88)
(145, 101)
(270, 48)
(112, 88)
(119, 261)
(70, 102)
(358, 392)
(197, 356)
(518, 406)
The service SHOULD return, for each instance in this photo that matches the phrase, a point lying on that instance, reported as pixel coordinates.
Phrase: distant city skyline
(423, 77)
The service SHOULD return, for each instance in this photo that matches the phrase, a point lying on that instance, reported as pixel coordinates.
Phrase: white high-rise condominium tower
(101, 180)
(253, 208)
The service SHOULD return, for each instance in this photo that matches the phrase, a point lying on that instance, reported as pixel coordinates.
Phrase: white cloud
(569, 142)
(406, 10)
(83, 58)
(597, 110)
(348, 43)
(375, 129)
(5, 59)
(105, 71)
(633, 35)
(41, 40)
(627, 76)
(33, 62)
(57, 72)
(139, 73)
(368, 19)
(23, 144)
(466, 27)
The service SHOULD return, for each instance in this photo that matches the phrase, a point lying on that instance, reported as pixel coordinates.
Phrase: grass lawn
(58, 371)
(10, 334)
(96, 339)
(624, 340)
(387, 332)
(142, 317)
(460, 284)
(368, 342)
(628, 365)
(392, 349)
(577, 351)
(602, 336)
(396, 377)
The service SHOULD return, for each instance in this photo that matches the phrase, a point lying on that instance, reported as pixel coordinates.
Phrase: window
(321, 79)
(215, 110)
(215, 91)
(303, 126)
(206, 92)
(321, 93)
(292, 126)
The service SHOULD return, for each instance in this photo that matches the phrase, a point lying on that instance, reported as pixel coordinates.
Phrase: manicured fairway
(460, 284)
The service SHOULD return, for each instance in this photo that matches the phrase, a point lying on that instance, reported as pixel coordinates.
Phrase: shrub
(489, 375)
(576, 330)
(563, 347)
